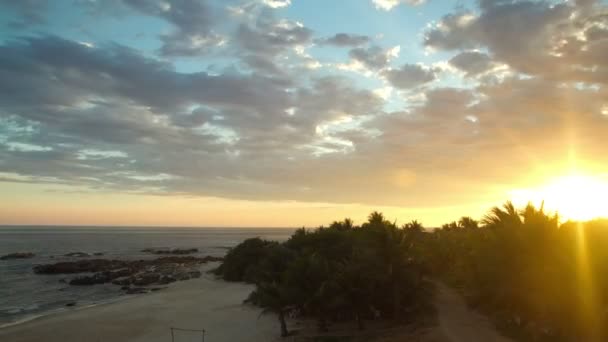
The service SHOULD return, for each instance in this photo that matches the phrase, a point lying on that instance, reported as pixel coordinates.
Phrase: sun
(577, 197)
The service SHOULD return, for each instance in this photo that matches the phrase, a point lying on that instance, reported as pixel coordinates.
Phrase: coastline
(203, 303)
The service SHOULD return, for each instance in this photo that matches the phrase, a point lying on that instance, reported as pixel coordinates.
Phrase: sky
(293, 112)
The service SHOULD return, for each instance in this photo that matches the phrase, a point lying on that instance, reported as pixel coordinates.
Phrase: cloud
(345, 40)
(535, 38)
(388, 5)
(374, 57)
(270, 37)
(409, 76)
(193, 21)
(277, 3)
(253, 122)
(472, 63)
(106, 115)
(31, 12)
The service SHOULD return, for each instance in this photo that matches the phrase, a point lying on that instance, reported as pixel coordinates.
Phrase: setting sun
(576, 196)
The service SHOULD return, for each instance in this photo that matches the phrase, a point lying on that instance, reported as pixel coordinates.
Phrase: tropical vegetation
(539, 279)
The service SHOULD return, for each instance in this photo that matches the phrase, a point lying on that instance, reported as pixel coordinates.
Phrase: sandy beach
(204, 303)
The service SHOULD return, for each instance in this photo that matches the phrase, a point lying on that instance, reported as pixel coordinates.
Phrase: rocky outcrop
(80, 266)
(127, 273)
(18, 255)
(176, 251)
(77, 254)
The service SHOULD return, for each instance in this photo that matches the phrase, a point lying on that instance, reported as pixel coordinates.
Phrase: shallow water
(24, 295)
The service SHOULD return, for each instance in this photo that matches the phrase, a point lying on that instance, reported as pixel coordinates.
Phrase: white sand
(204, 303)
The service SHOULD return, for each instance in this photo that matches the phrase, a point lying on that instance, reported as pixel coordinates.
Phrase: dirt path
(460, 324)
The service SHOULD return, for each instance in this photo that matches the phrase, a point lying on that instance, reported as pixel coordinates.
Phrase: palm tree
(394, 253)
(468, 223)
(498, 217)
(414, 226)
(273, 298)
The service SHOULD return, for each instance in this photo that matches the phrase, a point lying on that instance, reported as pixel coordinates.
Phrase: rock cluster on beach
(127, 273)
(175, 251)
(18, 255)
(81, 254)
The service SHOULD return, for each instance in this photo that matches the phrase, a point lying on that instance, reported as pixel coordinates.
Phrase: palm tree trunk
(396, 301)
(360, 323)
(284, 331)
(322, 324)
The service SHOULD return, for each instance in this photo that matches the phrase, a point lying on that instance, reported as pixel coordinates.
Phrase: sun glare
(575, 197)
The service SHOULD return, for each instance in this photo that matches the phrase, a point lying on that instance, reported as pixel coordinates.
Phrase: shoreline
(203, 303)
(62, 310)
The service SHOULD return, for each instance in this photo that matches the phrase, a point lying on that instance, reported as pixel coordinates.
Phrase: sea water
(25, 295)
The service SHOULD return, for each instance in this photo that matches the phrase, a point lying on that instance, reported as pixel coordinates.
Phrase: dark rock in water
(77, 254)
(136, 290)
(122, 272)
(98, 254)
(123, 281)
(160, 271)
(18, 255)
(167, 279)
(80, 266)
(176, 251)
(71, 304)
(97, 278)
(147, 279)
(210, 258)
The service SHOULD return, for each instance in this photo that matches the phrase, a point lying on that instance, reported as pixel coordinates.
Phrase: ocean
(25, 295)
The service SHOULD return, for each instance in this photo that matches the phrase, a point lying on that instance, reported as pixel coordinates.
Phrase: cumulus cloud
(31, 12)
(535, 38)
(192, 20)
(374, 57)
(258, 124)
(155, 119)
(472, 63)
(277, 3)
(388, 5)
(409, 76)
(345, 40)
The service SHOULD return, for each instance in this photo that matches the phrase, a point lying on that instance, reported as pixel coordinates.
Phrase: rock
(123, 281)
(176, 251)
(80, 266)
(147, 279)
(210, 258)
(97, 278)
(18, 255)
(136, 290)
(195, 274)
(77, 254)
(154, 289)
(120, 273)
(71, 304)
(98, 254)
(160, 271)
(167, 279)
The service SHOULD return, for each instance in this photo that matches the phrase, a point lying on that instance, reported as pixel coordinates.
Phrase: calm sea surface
(24, 295)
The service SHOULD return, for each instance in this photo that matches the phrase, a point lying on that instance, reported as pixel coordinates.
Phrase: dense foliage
(538, 279)
(336, 273)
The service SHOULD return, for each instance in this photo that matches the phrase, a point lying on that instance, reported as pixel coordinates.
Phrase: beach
(203, 303)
